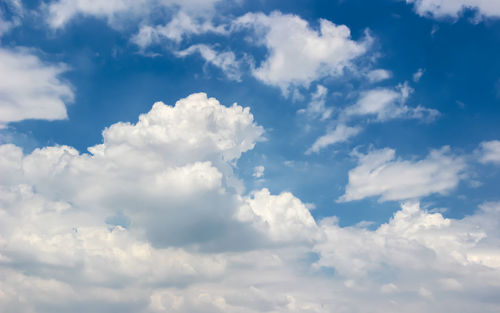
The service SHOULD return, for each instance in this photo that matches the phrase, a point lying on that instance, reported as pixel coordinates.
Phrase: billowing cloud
(489, 152)
(298, 54)
(154, 220)
(31, 88)
(454, 8)
(380, 174)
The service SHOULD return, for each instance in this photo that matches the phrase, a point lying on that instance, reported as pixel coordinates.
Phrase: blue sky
(367, 122)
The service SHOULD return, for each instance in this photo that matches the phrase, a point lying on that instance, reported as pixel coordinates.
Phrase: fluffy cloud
(379, 173)
(424, 257)
(454, 8)
(153, 220)
(306, 56)
(282, 217)
(30, 88)
(489, 152)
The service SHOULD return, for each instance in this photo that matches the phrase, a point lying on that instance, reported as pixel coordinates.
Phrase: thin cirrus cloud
(31, 88)
(380, 174)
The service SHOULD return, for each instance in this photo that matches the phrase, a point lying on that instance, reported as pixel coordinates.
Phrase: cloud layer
(154, 220)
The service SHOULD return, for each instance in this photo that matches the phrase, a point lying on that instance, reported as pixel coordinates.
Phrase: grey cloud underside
(193, 241)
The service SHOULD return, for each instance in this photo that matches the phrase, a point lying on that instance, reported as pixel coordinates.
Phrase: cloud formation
(306, 56)
(380, 174)
(31, 88)
(154, 220)
(454, 8)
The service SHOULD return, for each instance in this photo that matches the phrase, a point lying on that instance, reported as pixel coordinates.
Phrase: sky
(249, 156)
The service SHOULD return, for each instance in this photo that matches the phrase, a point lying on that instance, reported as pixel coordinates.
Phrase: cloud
(418, 74)
(316, 107)
(385, 104)
(14, 9)
(489, 152)
(226, 61)
(375, 105)
(417, 252)
(116, 12)
(378, 75)
(454, 8)
(380, 174)
(298, 54)
(283, 217)
(340, 133)
(154, 220)
(31, 88)
(181, 26)
(258, 171)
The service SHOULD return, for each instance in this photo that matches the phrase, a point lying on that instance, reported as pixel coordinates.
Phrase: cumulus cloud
(31, 88)
(489, 152)
(380, 174)
(306, 56)
(154, 220)
(454, 8)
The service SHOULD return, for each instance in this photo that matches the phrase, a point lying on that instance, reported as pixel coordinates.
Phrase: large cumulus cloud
(153, 219)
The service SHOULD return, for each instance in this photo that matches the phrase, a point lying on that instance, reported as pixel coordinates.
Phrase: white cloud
(226, 61)
(316, 107)
(340, 133)
(378, 75)
(489, 152)
(180, 26)
(298, 54)
(194, 243)
(454, 8)
(417, 251)
(385, 104)
(418, 74)
(379, 173)
(30, 88)
(115, 12)
(258, 171)
(283, 217)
